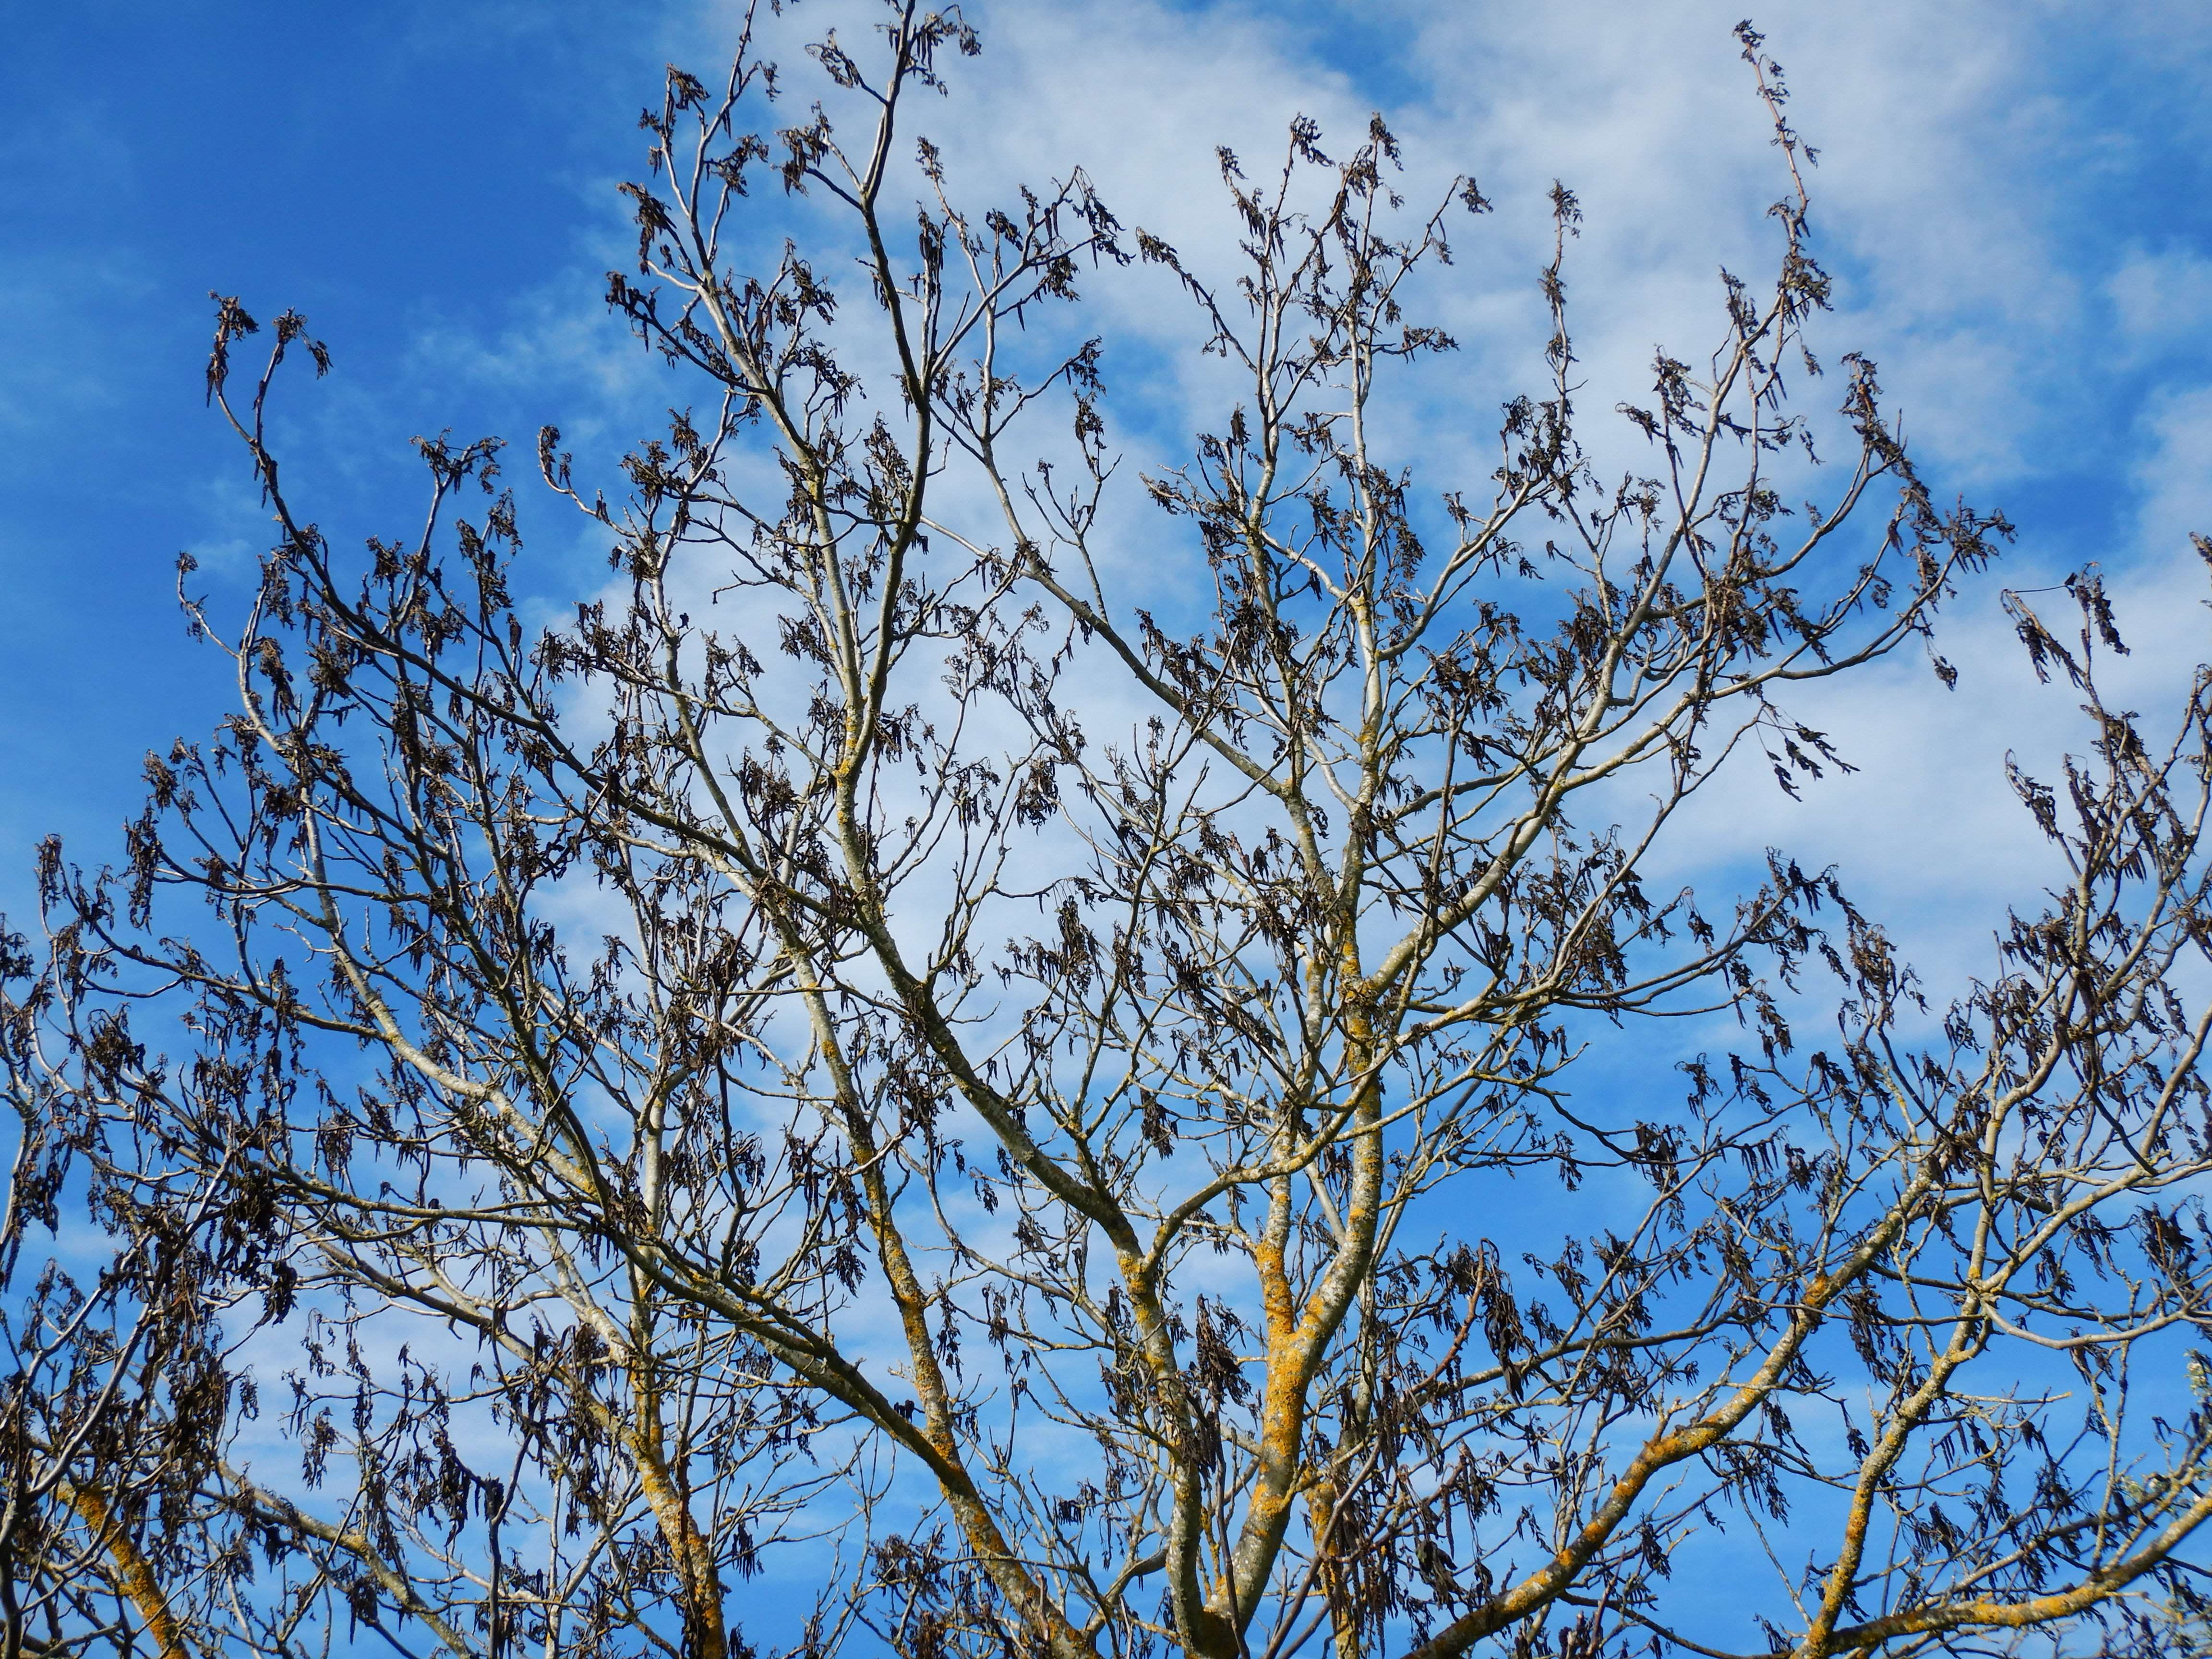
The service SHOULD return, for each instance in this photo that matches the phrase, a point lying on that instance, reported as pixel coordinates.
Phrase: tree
(789, 1067)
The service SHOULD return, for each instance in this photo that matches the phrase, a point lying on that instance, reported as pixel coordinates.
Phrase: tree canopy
(909, 1079)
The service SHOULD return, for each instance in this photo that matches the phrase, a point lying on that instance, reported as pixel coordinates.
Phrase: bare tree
(119, 1390)
(789, 1070)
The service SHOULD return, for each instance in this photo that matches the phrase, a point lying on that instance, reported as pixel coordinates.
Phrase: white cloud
(1976, 160)
(2174, 474)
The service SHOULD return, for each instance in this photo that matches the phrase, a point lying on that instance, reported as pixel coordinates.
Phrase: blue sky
(2014, 197)
(399, 171)
(2013, 194)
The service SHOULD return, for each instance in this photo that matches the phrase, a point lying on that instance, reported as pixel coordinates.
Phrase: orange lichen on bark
(133, 1574)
